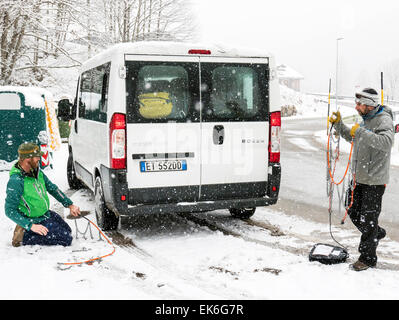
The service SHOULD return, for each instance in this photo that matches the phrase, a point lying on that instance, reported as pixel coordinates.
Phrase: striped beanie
(29, 150)
(368, 97)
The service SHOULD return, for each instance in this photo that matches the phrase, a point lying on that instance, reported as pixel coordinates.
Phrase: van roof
(176, 48)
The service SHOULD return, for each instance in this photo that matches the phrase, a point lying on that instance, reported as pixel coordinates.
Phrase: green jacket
(27, 201)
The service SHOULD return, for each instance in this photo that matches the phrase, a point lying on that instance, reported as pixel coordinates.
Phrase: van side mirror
(65, 110)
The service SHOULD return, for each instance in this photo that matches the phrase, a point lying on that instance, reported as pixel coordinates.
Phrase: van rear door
(235, 127)
(163, 129)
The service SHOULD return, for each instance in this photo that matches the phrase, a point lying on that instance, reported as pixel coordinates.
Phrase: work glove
(354, 129)
(335, 118)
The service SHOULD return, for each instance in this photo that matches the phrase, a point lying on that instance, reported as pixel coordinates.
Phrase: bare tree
(137, 20)
(13, 22)
(391, 74)
(33, 31)
(30, 31)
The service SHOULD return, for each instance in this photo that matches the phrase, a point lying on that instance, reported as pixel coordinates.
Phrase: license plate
(163, 166)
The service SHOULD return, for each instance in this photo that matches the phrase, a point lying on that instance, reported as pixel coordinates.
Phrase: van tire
(242, 213)
(106, 219)
(73, 182)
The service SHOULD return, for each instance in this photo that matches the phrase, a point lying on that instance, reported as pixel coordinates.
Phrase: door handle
(218, 135)
(75, 126)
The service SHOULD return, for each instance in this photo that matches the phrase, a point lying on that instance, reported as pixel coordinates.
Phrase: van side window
(85, 90)
(94, 93)
(104, 87)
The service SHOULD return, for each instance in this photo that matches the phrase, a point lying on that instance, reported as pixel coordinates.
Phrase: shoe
(18, 236)
(381, 234)
(359, 266)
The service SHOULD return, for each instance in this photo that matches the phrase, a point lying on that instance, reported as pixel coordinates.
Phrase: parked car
(167, 127)
(27, 114)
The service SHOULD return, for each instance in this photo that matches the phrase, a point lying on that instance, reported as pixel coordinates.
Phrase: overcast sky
(303, 34)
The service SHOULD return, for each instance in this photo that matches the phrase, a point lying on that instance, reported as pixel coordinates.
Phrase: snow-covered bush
(297, 103)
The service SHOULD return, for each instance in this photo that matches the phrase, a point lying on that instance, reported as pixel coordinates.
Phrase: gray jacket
(373, 142)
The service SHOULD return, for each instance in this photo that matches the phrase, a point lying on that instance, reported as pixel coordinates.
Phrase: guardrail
(357, 118)
(352, 119)
(332, 96)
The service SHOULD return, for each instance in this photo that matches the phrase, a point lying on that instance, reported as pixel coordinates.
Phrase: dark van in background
(27, 114)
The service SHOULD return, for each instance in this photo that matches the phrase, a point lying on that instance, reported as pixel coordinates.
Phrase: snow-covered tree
(14, 20)
(133, 20)
(34, 33)
(391, 75)
(30, 32)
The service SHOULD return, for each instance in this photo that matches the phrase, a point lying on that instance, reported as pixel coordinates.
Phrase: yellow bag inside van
(155, 105)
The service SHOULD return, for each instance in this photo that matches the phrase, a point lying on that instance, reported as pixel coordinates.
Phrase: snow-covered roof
(33, 95)
(179, 49)
(34, 99)
(286, 72)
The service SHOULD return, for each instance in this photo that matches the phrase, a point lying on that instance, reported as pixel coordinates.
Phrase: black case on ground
(328, 254)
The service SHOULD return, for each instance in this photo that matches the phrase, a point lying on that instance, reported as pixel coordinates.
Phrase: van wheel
(243, 213)
(73, 181)
(106, 219)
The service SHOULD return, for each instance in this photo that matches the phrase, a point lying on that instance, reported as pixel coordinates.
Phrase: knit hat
(29, 150)
(368, 97)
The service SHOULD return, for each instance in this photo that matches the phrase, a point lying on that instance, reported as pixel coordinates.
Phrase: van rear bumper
(200, 206)
(169, 200)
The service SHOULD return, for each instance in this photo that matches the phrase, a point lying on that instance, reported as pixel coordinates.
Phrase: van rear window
(159, 92)
(234, 92)
(10, 101)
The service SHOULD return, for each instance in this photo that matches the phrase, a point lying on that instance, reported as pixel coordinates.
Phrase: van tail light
(274, 137)
(117, 138)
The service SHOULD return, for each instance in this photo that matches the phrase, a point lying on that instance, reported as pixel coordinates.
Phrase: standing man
(373, 140)
(27, 203)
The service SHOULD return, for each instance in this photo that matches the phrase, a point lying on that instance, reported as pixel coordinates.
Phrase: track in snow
(304, 242)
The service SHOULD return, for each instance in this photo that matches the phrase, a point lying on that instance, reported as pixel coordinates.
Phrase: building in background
(289, 77)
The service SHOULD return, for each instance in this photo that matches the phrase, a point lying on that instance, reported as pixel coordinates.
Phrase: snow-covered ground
(185, 261)
(179, 259)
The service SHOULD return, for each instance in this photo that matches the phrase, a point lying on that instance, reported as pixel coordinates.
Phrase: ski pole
(328, 187)
(329, 104)
(382, 88)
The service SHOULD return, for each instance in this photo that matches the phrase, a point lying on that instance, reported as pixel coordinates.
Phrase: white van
(175, 127)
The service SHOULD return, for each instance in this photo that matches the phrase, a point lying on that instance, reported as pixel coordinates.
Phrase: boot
(359, 266)
(381, 233)
(18, 236)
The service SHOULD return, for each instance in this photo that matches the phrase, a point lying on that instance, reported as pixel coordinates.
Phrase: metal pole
(382, 88)
(328, 110)
(336, 77)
